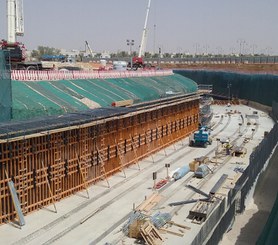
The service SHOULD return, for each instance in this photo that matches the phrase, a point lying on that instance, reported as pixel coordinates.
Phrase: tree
(42, 50)
(35, 54)
(148, 55)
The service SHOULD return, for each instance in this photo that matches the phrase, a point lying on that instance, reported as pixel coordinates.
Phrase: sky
(176, 26)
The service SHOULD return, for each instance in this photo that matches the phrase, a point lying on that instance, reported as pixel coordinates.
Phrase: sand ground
(249, 225)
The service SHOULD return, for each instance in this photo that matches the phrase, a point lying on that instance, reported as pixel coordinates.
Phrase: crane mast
(15, 19)
(144, 36)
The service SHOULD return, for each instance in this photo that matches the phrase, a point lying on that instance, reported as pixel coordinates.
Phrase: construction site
(131, 176)
(136, 155)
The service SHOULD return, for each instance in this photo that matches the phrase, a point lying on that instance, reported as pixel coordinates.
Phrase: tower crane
(137, 62)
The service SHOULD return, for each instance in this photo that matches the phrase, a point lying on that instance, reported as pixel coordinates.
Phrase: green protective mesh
(5, 90)
(262, 88)
(35, 99)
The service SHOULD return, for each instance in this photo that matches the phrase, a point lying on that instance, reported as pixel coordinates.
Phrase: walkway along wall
(48, 166)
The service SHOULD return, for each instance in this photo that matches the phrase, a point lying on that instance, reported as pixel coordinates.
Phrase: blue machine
(202, 171)
(201, 137)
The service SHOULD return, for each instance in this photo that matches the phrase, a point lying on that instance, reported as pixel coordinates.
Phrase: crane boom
(15, 19)
(19, 18)
(144, 36)
(89, 48)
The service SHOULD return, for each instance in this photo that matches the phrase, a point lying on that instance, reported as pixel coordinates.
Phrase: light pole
(159, 57)
(197, 46)
(241, 46)
(206, 47)
(130, 43)
(254, 46)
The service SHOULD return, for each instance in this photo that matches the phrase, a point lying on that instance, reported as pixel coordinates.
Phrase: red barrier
(23, 75)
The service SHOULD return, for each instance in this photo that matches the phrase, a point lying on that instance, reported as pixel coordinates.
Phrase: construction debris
(141, 226)
(186, 202)
(201, 211)
(218, 184)
(202, 171)
(179, 225)
(135, 216)
(239, 151)
(194, 165)
(134, 229)
(150, 234)
(172, 232)
(202, 160)
(160, 219)
(122, 103)
(160, 184)
(239, 170)
(149, 203)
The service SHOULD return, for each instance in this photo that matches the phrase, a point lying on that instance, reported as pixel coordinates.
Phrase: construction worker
(228, 147)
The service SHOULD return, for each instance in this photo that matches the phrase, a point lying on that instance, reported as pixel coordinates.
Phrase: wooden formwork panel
(54, 165)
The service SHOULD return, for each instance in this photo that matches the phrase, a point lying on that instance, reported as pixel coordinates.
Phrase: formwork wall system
(49, 166)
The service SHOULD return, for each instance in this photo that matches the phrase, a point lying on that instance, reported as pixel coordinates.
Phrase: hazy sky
(181, 25)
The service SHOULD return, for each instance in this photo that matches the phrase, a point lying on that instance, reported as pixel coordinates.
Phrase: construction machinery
(137, 61)
(201, 138)
(202, 171)
(87, 46)
(16, 51)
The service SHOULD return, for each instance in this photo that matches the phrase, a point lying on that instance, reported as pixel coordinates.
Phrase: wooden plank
(149, 202)
(150, 234)
(179, 225)
(172, 232)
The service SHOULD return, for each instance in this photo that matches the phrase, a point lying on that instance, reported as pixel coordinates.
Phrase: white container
(120, 65)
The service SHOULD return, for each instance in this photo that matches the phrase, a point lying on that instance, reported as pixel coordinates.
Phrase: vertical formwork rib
(50, 166)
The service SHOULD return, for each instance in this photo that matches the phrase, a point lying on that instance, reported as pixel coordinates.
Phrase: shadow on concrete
(264, 197)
